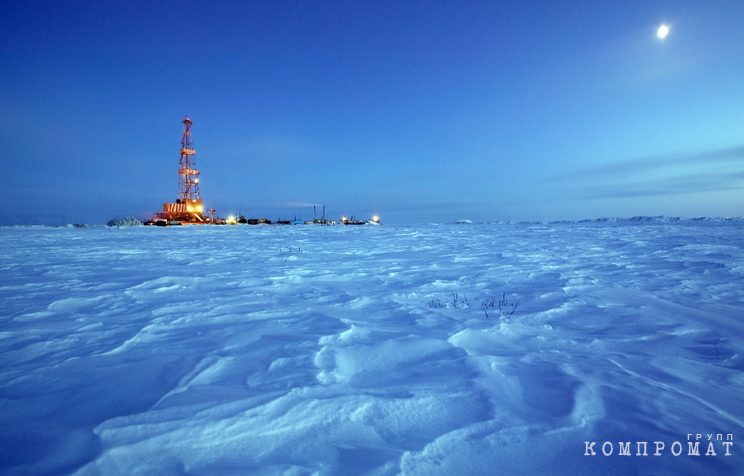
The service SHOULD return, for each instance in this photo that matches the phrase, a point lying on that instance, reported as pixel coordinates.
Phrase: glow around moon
(662, 32)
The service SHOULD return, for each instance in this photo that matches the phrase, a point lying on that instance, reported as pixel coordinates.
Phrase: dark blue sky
(416, 111)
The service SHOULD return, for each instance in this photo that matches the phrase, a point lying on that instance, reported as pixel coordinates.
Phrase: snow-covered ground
(367, 350)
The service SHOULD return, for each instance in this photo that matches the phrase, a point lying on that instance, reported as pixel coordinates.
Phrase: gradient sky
(416, 111)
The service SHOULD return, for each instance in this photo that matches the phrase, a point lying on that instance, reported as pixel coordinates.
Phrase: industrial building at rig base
(188, 209)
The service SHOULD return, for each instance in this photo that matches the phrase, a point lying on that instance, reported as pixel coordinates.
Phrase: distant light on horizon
(662, 32)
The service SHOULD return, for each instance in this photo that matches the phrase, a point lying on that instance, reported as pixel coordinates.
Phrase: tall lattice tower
(188, 206)
(188, 181)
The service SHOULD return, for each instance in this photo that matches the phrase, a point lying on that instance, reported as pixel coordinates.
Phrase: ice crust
(366, 350)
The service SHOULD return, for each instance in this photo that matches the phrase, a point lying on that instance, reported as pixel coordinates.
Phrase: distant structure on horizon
(188, 207)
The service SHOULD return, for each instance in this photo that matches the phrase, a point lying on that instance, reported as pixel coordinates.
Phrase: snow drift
(368, 350)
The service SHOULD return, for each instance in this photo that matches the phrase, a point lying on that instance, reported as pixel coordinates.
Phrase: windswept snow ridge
(368, 350)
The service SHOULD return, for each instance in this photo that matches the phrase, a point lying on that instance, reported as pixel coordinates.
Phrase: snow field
(367, 350)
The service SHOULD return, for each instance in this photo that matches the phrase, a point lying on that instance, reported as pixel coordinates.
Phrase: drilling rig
(188, 207)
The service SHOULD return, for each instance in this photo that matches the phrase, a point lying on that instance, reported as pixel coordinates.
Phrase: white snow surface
(318, 350)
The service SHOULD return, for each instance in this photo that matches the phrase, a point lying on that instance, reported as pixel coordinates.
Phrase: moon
(662, 32)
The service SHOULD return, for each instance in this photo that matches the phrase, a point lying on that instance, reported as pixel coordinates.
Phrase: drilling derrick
(188, 206)
(188, 182)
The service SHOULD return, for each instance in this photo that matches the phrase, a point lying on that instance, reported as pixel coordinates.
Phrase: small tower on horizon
(188, 205)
